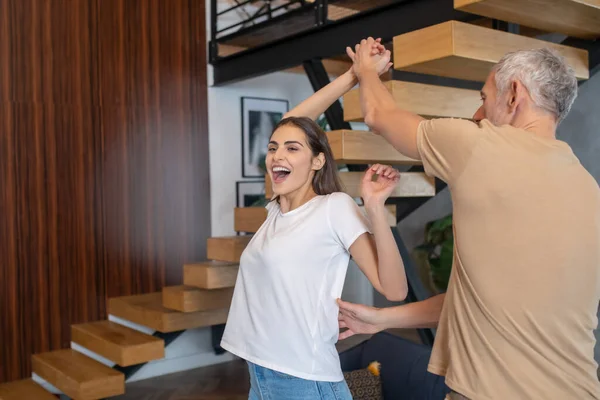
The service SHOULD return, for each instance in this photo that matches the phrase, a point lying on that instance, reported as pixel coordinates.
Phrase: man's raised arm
(398, 127)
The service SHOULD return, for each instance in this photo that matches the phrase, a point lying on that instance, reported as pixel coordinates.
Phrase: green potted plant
(435, 256)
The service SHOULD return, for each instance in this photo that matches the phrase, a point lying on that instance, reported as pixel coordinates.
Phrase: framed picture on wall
(250, 193)
(259, 117)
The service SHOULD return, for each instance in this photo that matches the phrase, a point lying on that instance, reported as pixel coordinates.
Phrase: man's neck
(540, 125)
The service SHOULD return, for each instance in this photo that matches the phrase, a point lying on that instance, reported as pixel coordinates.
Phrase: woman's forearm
(390, 267)
(316, 104)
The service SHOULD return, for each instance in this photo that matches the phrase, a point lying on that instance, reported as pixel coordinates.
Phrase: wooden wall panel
(103, 160)
(47, 50)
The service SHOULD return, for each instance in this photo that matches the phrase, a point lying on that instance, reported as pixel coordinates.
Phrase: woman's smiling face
(290, 161)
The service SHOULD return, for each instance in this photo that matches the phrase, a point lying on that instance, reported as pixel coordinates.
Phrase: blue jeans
(266, 384)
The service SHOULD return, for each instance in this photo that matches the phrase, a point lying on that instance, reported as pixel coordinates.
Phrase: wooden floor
(227, 381)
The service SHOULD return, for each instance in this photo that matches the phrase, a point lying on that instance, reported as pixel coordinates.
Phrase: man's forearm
(382, 115)
(422, 314)
(375, 98)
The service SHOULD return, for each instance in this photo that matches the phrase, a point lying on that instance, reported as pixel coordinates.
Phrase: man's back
(521, 306)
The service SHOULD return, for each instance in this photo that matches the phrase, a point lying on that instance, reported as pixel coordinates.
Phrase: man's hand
(358, 319)
(370, 54)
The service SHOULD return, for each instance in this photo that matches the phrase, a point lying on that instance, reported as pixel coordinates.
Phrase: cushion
(365, 384)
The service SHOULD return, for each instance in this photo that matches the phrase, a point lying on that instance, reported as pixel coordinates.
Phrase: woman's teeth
(280, 174)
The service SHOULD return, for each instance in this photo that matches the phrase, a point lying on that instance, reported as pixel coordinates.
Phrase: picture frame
(259, 117)
(249, 193)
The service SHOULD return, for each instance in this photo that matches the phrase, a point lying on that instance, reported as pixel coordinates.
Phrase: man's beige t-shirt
(520, 308)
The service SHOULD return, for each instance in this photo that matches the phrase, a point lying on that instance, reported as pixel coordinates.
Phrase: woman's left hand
(376, 192)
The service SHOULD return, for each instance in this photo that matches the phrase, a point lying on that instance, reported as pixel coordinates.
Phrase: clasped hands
(369, 55)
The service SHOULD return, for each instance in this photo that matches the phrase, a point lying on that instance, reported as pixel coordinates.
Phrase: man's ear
(318, 162)
(517, 94)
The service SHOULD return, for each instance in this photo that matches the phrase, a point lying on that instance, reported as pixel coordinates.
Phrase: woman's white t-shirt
(284, 314)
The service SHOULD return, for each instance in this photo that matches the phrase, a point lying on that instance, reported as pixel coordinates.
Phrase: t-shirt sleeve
(445, 146)
(346, 219)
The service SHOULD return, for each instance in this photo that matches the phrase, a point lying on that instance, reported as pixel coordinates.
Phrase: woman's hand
(376, 192)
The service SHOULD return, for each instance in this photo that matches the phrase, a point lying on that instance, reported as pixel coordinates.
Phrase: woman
(284, 316)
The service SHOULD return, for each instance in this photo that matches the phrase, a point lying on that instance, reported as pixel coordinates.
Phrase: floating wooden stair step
(412, 184)
(190, 299)
(579, 18)
(78, 376)
(226, 248)
(210, 274)
(466, 51)
(148, 310)
(362, 147)
(118, 343)
(425, 100)
(24, 390)
(335, 13)
(523, 30)
(249, 219)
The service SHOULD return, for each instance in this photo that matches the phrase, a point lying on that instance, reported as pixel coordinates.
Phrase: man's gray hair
(550, 81)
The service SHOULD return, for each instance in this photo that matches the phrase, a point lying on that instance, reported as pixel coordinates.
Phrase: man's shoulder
(453, 123)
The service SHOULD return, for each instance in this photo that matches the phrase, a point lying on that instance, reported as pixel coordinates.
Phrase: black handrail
(238, 5)
(268, 13)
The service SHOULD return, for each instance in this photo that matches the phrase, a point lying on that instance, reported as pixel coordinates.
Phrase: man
(518, 317)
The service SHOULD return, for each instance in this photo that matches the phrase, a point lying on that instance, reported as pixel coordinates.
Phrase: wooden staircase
(450, 49)
(203, 300)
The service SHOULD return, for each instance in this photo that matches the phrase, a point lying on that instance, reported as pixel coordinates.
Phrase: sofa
(403, 371)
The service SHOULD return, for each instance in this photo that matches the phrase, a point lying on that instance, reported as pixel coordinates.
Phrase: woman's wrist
(374, 206)
(352, 76)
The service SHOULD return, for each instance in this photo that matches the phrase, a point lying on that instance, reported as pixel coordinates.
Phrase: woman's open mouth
(280, 174)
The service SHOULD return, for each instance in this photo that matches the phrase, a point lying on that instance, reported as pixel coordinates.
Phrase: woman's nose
(278, 154)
